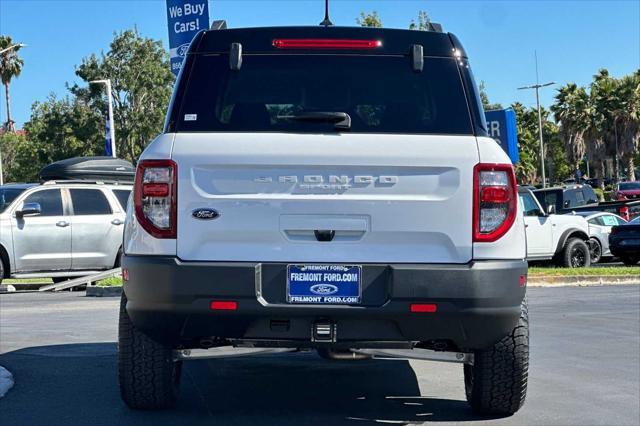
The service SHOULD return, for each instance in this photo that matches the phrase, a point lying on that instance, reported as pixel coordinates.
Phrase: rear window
(381, 94)
(123, 197)
(87, 202)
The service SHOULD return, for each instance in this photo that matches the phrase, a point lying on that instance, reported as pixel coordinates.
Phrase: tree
(571, 110)
(141, 87)
(10, 67)
(424, 22)
(371, 19)
(486, 104)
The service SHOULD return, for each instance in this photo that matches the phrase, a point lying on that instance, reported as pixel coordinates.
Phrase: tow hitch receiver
(323, 331)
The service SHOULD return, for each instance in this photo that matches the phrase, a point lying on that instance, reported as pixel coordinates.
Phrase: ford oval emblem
(205, 214)
(323, 289)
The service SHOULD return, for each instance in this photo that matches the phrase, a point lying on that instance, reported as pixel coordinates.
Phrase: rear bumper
(477, 303)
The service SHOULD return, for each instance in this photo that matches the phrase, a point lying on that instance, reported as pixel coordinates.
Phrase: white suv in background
(560, 237)
(60, 229)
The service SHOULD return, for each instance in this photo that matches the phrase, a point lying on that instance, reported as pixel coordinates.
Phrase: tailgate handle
(324, 235)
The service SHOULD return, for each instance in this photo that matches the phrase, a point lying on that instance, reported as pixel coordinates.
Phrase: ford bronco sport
(325, 188)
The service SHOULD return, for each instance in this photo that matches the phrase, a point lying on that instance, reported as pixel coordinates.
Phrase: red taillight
(424, 307)
(324, 43)
(224, 305)
(125, 274)
(155, 197)
(494, 201)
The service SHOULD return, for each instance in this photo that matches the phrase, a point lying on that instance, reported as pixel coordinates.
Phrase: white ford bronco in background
(563, 238)
(330, 189)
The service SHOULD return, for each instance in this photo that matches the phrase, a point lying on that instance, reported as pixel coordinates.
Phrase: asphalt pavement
(585, 370)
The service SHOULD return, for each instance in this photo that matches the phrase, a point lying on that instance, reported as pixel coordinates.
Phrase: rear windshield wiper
(341, 120)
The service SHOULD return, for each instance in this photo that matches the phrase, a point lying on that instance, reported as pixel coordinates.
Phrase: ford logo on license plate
(323, 289)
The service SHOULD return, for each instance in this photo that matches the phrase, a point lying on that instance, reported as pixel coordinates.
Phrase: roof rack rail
(435, 27)
(87, 182)
(219, 25)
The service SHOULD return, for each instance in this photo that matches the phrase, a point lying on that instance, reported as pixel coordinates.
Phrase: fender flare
(571, 232)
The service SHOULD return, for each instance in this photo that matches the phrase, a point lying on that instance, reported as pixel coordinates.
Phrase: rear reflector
(322, 43)
(125, 274)
(523, 280)
(224, 305)
(424, 307)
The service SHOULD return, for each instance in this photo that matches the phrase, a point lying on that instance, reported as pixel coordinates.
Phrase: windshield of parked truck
(280, 93)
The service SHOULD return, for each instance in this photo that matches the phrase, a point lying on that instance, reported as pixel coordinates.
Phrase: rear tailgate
(387, 198)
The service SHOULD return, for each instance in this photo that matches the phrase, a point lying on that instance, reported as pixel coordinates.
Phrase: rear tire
(497, 382)
(576, 254)
(149, 377)
(630, 260)
(595, 251)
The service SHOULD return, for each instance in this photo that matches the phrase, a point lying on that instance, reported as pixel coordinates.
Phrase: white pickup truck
(560, 237)
(329, 189)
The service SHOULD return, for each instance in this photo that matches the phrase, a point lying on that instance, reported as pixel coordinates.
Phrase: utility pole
(112, 130)
(537, 87)
(2, 52)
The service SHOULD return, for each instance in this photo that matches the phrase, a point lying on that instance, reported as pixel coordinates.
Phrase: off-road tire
(630, 260)
(149, 378)
(497, 381)
(575, 254)
(595, 251)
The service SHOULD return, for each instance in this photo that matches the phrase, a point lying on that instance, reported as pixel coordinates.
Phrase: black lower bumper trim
(477, 303)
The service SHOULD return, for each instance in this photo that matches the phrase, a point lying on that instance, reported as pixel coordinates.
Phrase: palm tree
(10, 67)
(627, 120)
(572, 112)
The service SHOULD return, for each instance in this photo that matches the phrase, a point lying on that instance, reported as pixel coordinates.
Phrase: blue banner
(185, 19)
(501, 125)
(107, 140)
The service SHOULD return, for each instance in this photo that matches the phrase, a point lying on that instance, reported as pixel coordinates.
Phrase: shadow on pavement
(77, 384)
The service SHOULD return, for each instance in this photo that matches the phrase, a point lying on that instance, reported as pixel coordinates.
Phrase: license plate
(324, 284)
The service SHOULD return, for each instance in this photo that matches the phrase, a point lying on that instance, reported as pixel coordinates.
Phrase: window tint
(89, 202)
(579, 199)
(7, 195)
(50, 202)
(529, 206)
(381, 94)
(589, 195)
(594, 221)
(123, 197)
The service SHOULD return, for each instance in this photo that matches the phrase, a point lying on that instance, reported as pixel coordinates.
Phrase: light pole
(537, 87)
(2, 52)
(112, 130)
(13, 46)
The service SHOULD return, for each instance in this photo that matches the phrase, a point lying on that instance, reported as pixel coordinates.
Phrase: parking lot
(585, 369)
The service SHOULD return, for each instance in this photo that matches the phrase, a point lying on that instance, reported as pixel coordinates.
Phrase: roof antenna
(326, 22)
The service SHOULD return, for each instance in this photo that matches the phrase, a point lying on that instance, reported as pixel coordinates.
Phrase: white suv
(331, 189)
(563, 238)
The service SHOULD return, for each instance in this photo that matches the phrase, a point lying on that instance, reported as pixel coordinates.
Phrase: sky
(573, 39)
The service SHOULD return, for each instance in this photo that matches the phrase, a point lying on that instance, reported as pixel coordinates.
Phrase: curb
(6, 381)
(582, 280)
(95, 291)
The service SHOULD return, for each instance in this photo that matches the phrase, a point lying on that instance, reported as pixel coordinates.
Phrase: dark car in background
(624, 242)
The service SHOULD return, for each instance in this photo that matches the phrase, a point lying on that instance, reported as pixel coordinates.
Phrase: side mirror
(551, 209)
(29, 209)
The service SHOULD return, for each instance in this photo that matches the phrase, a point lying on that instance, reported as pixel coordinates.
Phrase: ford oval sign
(205, 214)
(323, 289)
